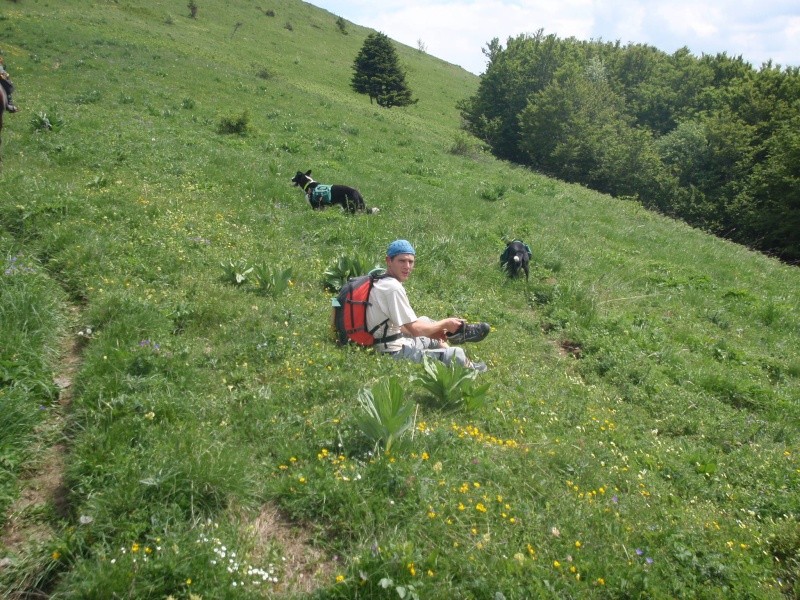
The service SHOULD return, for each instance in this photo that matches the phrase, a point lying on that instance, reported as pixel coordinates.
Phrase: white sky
(457, 30)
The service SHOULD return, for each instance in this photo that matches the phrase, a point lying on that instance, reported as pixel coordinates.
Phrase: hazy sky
(457, 30)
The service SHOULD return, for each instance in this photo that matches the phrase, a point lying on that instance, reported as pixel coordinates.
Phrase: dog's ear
(307, 172)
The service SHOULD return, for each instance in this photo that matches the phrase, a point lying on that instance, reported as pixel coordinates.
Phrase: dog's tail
(356, 201)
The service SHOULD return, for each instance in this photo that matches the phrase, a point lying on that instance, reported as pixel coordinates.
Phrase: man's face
(400, 266)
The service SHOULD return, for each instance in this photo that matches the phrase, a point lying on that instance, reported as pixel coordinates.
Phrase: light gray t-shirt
(388, 300)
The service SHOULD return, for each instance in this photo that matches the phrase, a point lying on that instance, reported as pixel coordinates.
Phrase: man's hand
(452, 325)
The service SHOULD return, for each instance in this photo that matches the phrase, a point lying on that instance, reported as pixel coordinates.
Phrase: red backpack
(350, 313)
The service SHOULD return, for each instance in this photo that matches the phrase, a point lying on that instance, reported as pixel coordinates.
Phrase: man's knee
(457, 355)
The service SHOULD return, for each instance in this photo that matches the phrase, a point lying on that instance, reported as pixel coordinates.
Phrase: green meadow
(178, 423)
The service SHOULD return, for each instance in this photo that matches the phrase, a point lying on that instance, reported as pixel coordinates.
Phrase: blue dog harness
(320, 195)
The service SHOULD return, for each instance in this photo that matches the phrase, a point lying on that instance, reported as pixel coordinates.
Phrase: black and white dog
(320, 195)
(515, 258)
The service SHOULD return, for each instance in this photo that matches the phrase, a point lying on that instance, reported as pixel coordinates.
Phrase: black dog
(320, 196)
(516, 257)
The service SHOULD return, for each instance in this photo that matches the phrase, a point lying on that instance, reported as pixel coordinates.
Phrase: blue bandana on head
(399, 247)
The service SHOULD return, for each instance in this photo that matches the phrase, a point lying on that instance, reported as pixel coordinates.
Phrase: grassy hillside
(170, 432)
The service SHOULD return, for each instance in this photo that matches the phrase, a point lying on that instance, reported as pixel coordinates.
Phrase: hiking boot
(469, 332)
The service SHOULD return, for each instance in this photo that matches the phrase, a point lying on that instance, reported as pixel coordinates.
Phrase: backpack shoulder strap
(374, 276)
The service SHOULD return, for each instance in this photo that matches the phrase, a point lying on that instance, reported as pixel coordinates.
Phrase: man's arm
(433, 329)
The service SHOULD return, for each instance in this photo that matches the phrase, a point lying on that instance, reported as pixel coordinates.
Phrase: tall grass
(639, 437)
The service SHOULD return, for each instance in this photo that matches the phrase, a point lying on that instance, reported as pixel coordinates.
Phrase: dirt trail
(29, 522)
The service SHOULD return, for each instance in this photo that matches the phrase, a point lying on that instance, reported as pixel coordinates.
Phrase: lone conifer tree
(378, 73)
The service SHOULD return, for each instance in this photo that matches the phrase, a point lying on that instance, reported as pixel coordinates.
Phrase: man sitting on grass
(418, 336)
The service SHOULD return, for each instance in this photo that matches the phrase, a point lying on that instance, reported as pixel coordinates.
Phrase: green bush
(41, 121)
(272, 281)
(236, 272)
(452, 386)
(386, 414)
(345, 268)
(234, 125)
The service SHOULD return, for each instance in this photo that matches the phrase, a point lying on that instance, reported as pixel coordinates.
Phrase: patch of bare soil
(568, 348)
(305, 568)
